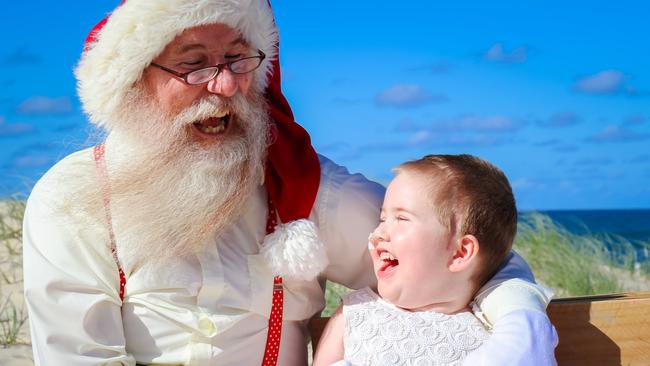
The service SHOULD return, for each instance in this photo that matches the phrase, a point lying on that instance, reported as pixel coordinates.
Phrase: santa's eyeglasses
(201, 76)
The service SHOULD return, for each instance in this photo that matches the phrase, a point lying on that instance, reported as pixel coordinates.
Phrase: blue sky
(556, 93)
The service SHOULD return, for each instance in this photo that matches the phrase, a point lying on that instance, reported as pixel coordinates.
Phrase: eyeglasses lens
(201, 76)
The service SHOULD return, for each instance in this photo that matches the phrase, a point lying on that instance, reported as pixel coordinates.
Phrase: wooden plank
(604, 330)
(316, 327)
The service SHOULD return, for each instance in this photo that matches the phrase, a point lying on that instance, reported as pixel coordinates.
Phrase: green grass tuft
(12, 319)
(11, 248)
(333, 295)
(12, 316)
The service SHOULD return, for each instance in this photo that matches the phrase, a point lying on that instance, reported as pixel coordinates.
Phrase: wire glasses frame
(201, 76)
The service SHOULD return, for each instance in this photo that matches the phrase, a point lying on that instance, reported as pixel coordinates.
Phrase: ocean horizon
(631, 224)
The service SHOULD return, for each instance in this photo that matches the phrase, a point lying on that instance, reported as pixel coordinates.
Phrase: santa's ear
(466, 253)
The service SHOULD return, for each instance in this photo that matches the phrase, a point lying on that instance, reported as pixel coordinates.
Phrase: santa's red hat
(122, 45)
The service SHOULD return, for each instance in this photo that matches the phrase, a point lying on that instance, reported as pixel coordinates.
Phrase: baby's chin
(390, 295)
(399, 299)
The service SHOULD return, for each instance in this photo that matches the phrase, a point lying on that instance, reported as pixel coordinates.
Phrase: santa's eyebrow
(190, 47)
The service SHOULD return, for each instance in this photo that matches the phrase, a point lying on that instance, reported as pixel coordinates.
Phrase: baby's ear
(466, 252)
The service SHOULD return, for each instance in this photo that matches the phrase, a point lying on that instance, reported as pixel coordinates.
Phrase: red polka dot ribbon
(100, 163)
(275, 319)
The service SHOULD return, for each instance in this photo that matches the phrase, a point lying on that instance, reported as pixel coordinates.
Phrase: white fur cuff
(295, 251)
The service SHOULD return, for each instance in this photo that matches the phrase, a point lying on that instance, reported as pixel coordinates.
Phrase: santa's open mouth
(214, 126)
(388, 262)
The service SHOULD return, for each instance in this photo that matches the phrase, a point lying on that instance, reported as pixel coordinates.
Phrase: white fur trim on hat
(295, 251)
(138, 31)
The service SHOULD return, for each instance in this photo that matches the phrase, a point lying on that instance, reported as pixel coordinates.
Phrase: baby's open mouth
(389, 261)
(214, 125)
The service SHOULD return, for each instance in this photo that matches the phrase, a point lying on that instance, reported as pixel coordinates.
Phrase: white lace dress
(379, 333)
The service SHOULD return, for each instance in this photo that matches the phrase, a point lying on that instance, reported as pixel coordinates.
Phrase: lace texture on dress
(379, 333)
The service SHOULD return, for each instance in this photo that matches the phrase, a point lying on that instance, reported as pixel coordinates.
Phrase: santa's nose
(224, 84)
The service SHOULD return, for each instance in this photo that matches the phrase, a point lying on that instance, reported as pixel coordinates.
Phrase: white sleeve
(348, 211)
(71, 283)
(520, 338)
(512, 288)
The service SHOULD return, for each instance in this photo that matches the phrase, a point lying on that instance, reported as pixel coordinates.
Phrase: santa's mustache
(210, 107)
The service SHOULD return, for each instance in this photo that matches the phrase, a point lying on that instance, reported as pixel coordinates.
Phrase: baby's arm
(330, 347)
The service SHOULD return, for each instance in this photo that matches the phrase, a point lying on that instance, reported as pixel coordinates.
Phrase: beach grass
(13, 316)
(11, 217)
(12, 319)
(570, 264)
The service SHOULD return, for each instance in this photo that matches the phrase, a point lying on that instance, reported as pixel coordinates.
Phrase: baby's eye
(401, 218)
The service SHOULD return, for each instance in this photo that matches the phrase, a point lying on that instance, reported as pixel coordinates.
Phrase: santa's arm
(520, 338)
(515, 305)
(70, 291)
(348, 211)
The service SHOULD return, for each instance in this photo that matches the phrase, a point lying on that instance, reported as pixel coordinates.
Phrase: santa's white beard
(172, 194)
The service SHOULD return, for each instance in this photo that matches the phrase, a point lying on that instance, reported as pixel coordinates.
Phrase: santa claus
(202, 230)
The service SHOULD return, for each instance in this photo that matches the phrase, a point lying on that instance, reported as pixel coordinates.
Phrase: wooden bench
(603, 330)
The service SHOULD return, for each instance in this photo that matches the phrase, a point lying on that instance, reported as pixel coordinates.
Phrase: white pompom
(295, 251)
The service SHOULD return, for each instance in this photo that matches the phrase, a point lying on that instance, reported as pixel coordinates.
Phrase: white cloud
(14, 129)
(616, 133)
(496, 53)
(465, 130)
(561, 119)
(594, 161)
(45, 105)
(475, 123)
(31, 161)
(420, 137)
(523, 183)
(407, 96)
(603, 82)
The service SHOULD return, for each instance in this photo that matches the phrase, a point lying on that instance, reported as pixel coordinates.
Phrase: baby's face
(411, 249)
